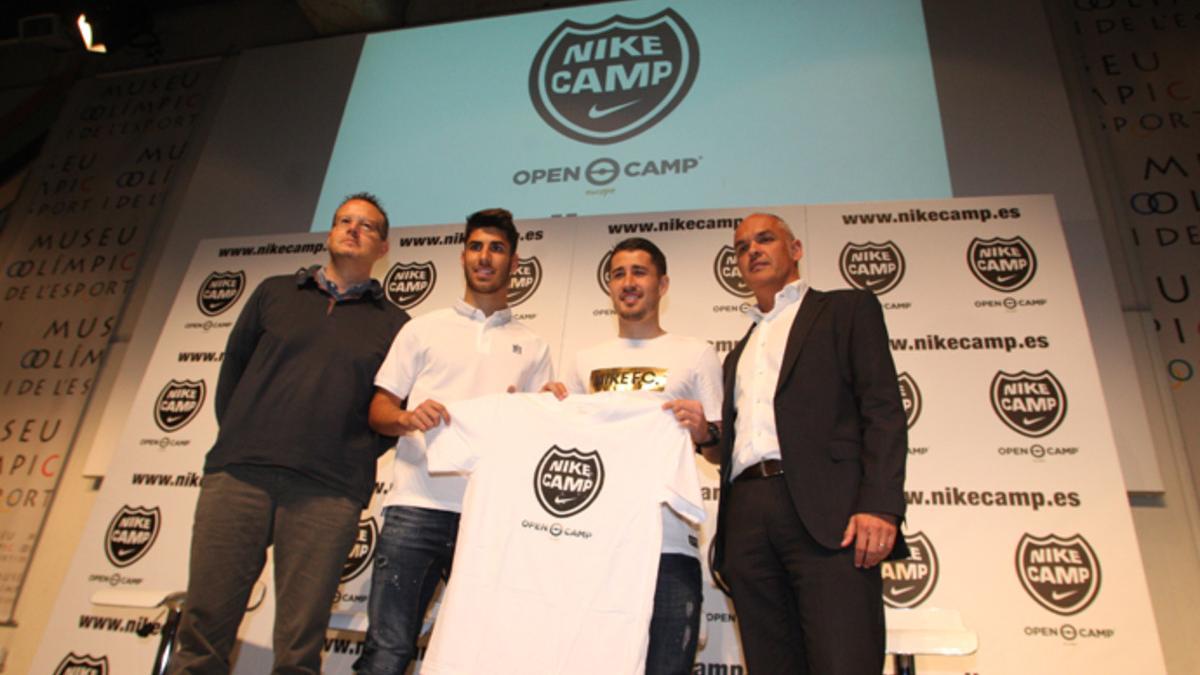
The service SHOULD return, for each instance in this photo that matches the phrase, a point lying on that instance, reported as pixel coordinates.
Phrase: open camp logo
(131, 533)
(568, 481)
(363, 550)
(178, 403)
(606, 82)
(1004, 265)
(219, 291)
(907, 583)
(525, 281)
(910, 398)
(408, 284)
(872, 267)
(1031, 404)
(604, 272)
(82, 664)
(728, 275)
(1061, 573)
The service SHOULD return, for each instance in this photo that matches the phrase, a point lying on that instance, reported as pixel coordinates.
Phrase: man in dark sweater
(294, 461)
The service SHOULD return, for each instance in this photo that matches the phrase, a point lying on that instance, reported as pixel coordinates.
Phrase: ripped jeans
(416, 547)
(675, 625)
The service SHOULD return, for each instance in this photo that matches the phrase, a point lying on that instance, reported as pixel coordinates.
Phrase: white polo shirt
(756, 437)
(678, 366)
(451, 355)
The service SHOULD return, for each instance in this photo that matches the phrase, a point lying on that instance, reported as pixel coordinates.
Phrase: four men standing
(812, 461)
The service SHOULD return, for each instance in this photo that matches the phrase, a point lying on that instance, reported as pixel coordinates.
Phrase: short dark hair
(499, 219)
(373, 201)
(640, 244)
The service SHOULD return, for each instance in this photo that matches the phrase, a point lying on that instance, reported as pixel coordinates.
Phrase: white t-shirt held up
(558, 546)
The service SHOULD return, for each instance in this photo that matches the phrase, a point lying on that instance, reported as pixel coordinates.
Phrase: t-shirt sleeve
(707, 384)
(682, 484)
(403, 361)
(456, 447)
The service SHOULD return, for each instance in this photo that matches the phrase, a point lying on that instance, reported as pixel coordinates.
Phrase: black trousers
(240, 512)
(801, 608)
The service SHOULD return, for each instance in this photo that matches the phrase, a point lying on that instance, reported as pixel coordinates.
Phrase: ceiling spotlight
(85, 32)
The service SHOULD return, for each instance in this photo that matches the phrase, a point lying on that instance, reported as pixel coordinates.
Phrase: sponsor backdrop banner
(1018, 516)
(74, 239)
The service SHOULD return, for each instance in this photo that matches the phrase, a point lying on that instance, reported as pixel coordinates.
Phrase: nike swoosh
(561, 500)
(596, 113)
(1062, 595)
(873, 282)
(900, 590)
(1005, 277)
(1034, 420)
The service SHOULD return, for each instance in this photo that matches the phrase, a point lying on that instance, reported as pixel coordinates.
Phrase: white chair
(173, 602)
(932, 631)
(351, 622)
(149, 599)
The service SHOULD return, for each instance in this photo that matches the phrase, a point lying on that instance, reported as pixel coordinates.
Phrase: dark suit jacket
(842, 431)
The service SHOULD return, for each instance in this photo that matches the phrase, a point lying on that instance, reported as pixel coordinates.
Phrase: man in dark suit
(812, 470)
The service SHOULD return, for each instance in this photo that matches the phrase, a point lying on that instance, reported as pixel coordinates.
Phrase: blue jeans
(675, 624)
(415, 550)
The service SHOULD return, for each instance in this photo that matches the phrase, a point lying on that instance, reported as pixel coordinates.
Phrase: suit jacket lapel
(810, 307)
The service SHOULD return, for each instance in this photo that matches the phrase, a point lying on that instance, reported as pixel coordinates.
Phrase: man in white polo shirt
(462, 352)
(644, 357)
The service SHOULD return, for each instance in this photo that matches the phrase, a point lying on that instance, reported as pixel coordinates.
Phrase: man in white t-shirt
(644, 357)
(561, 530)
(465, 351)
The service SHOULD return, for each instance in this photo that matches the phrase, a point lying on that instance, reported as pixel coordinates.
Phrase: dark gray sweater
(296, 383)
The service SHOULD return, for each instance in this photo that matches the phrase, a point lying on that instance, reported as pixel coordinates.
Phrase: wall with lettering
(73, 242)
(1134, 68)
(1138, 64)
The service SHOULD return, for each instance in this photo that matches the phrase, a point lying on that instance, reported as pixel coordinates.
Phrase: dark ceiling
(145, 32)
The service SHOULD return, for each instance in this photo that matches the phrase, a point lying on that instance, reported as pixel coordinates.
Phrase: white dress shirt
(755, 436)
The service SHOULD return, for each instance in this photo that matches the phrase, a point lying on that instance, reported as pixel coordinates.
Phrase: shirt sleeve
(404, 360)
(456, 447)
(707, 385)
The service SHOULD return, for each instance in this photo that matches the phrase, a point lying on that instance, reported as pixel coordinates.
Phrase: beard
(632, 314)
(635, 313)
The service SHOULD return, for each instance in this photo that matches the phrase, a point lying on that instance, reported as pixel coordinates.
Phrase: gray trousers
(241, 511)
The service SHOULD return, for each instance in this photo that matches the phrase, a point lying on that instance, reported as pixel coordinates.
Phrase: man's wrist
(714, 436)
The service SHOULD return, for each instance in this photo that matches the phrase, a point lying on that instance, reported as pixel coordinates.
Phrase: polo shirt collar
(498, 317)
